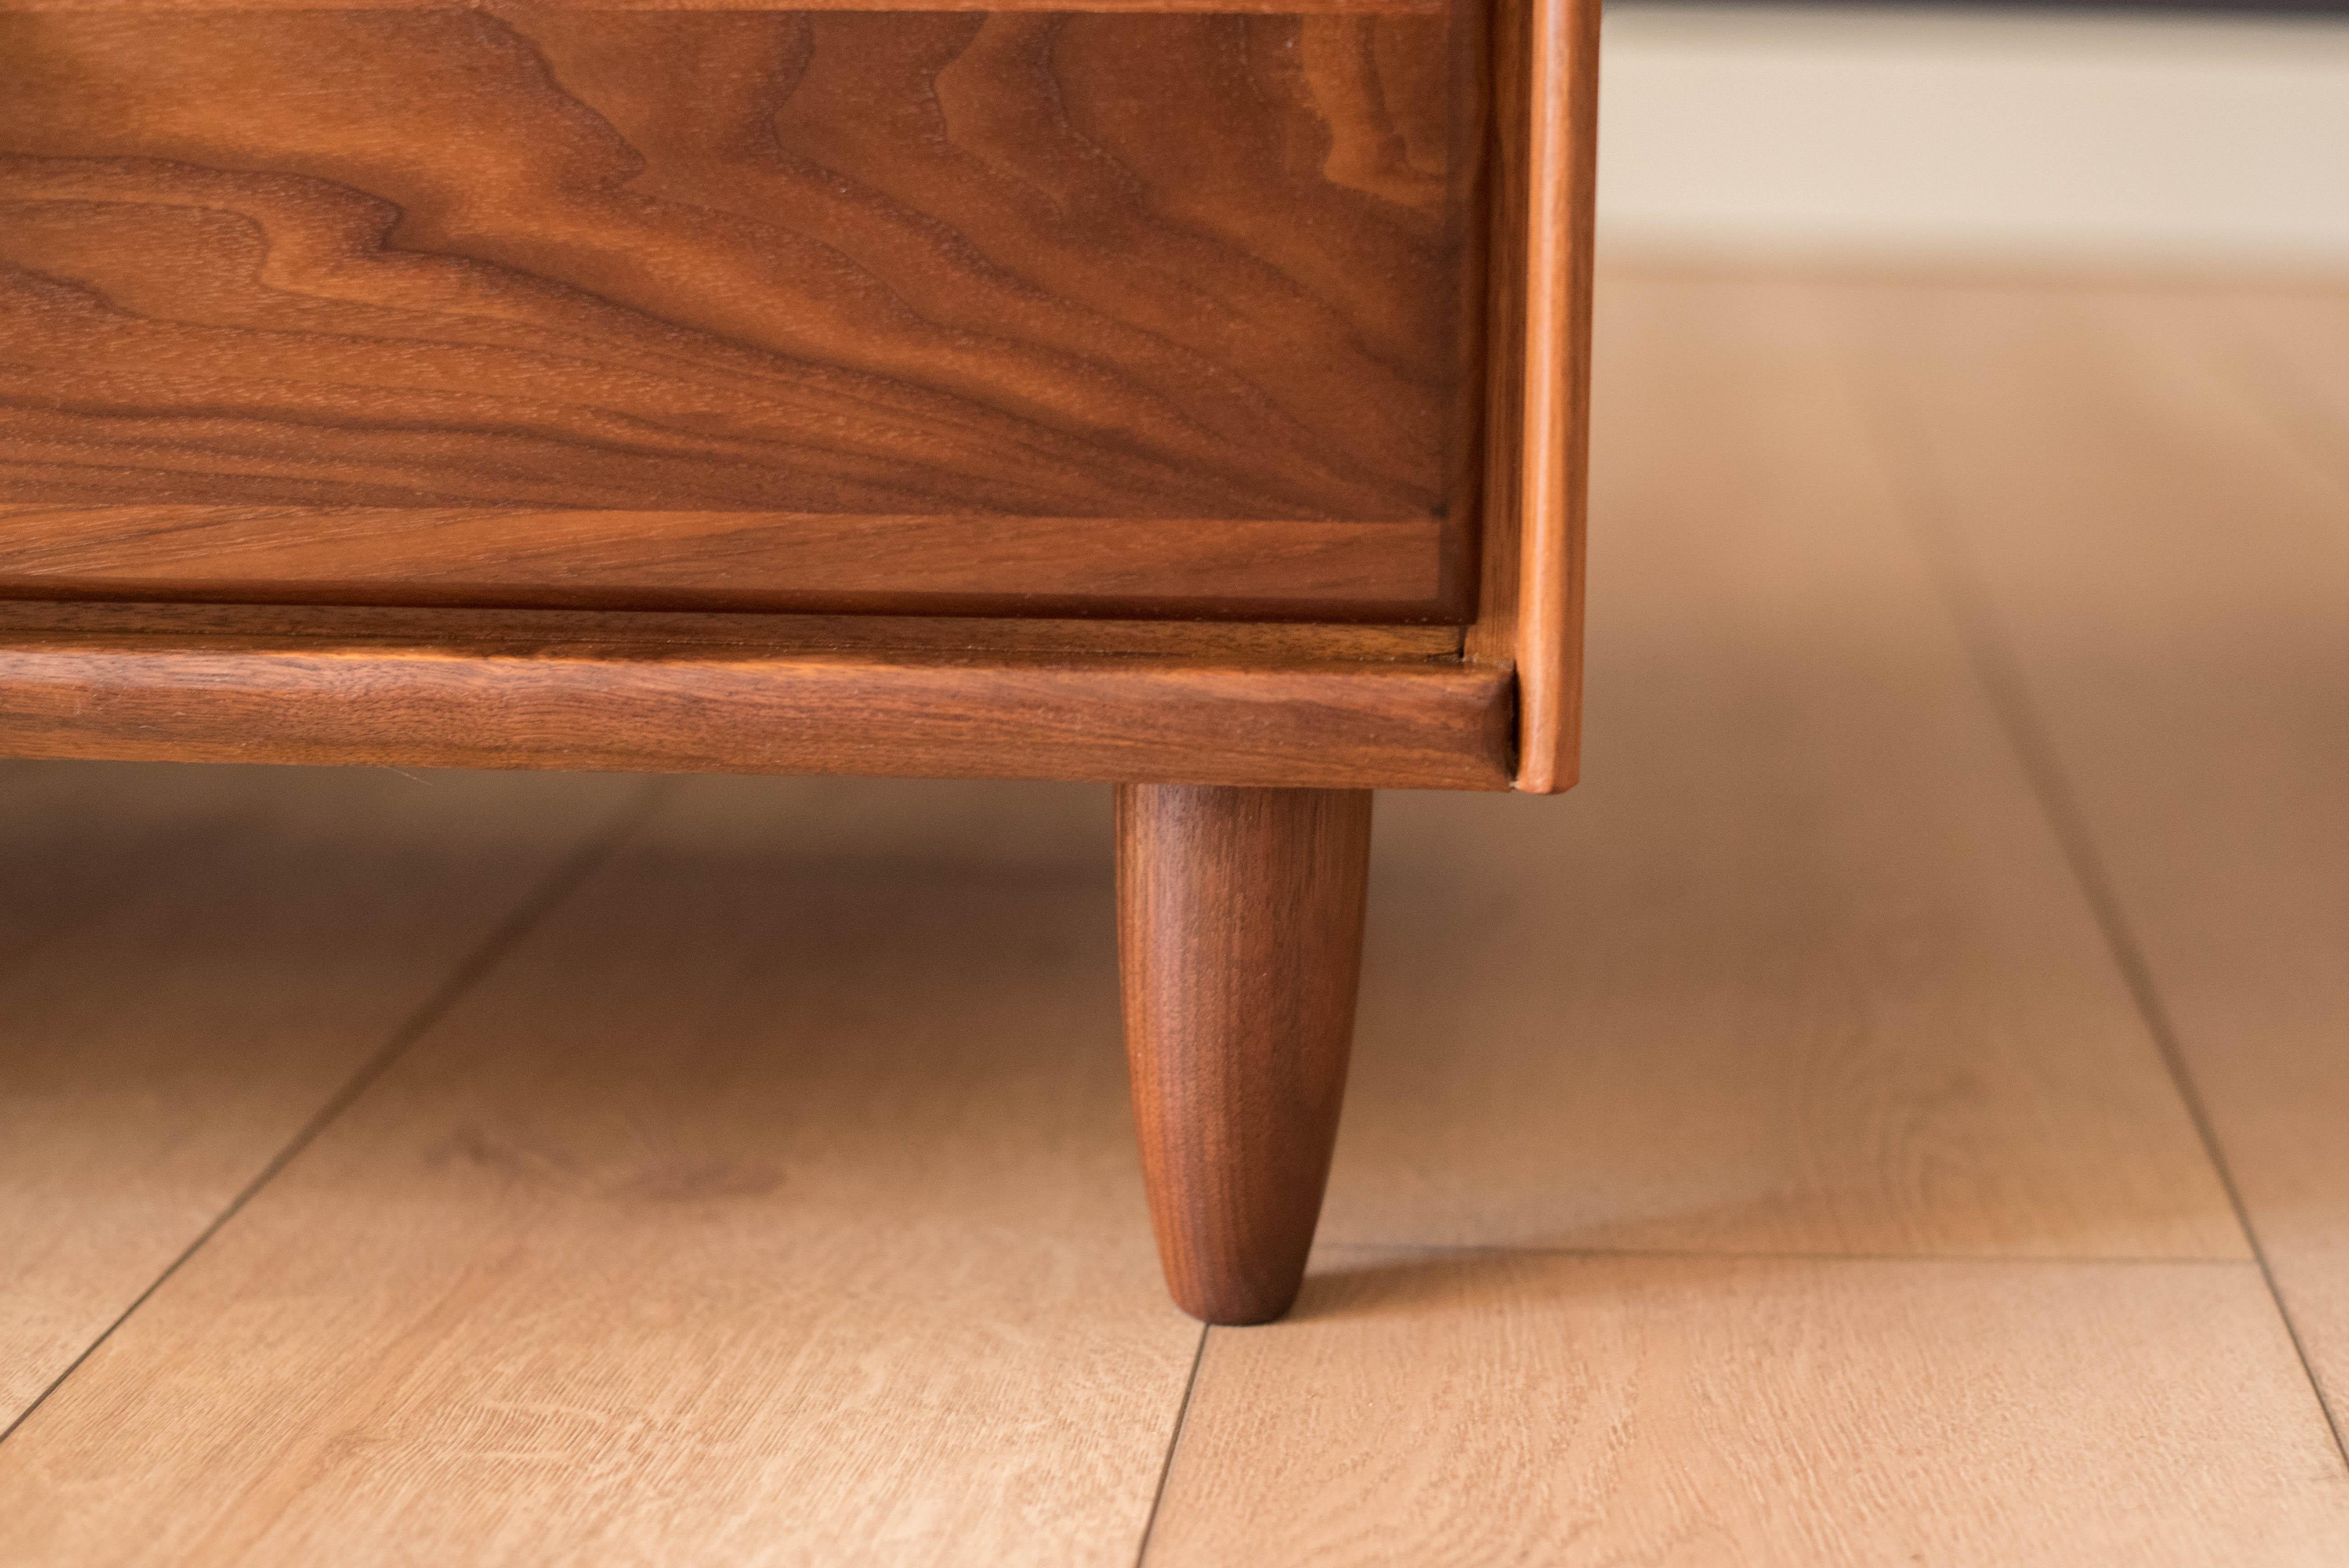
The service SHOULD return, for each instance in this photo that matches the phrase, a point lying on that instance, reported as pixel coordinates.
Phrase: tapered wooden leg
(1240, 941)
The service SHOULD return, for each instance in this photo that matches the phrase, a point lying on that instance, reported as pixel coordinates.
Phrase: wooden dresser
(1184, 397)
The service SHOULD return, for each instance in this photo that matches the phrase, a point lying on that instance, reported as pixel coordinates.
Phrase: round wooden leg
(1240, 941)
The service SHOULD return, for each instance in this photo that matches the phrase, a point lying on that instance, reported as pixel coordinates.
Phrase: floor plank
(2287, 351)
(2149, 504)
(1518, 1409)
(192, 960)
(772, 1199)
(1799, 967)
(774, 1202)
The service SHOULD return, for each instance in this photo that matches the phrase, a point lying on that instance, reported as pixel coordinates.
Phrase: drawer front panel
(1111, 310)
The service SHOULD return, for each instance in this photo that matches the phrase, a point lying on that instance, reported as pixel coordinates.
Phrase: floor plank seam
(558, 886)
(1174, 1442)
(1995, 665)
(1468, 1250)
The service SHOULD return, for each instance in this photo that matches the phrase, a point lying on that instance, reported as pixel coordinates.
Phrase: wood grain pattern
(192, 963)
(1800, 968)
(774, 1202)
(2143, 493)
(725, 561)
(1457, 1411)
(671, 707)
(1126, 268)
(1240, 943)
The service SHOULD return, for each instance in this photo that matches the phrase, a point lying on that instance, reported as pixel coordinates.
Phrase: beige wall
(2000, 135)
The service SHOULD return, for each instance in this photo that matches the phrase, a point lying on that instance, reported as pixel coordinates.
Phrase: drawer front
(1114, 311)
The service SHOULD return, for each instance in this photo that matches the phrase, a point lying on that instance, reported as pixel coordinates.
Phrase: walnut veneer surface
(743, 308)
(1100, 316)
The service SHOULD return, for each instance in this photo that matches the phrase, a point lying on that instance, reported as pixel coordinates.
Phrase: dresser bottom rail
(689, 708)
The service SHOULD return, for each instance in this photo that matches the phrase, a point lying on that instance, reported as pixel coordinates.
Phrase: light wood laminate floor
(1897, 1110)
